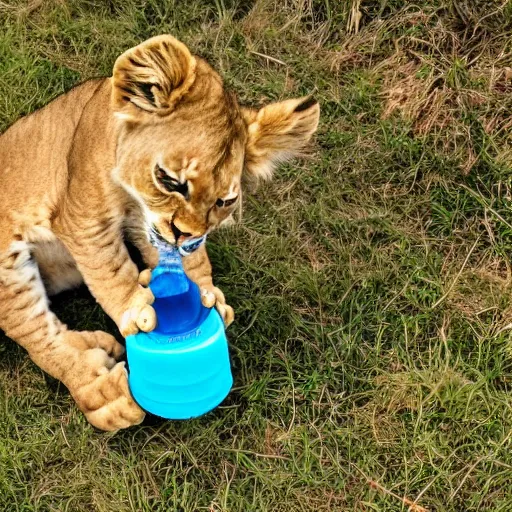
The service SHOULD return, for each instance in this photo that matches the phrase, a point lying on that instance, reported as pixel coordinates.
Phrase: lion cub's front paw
(106, 400)
(139, 314)
(213, 296)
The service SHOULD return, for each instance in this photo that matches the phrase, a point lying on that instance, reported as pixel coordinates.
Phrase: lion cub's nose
(178, 233)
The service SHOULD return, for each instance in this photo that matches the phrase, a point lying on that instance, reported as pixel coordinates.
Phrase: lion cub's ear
(152, 76)
(277, 133)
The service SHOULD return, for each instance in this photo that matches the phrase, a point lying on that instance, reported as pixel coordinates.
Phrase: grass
(372, 345)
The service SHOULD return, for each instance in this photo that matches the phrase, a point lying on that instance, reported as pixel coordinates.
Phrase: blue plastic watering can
(180, 370)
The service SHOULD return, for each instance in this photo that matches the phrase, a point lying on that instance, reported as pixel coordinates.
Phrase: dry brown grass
(371, 282)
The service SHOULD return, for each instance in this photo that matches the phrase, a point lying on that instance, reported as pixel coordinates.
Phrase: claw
(207, 298)
(140, 316)
(146, 320)
(214, 297)
(145, 277)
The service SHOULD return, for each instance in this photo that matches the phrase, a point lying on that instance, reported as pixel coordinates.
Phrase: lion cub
(158, 148)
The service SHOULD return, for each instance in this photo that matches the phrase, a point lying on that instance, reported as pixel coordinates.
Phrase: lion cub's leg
(83, 361)
(136, 232)
(97, 245)
(56, 266)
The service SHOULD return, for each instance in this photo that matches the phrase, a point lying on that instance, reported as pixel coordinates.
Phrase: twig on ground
(450, 288)
(268, 57)
(413, 505)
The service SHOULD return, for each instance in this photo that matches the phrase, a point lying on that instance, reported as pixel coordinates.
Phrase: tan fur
(96, 162)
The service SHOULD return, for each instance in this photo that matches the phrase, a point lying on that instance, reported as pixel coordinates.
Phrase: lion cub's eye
(171, 184)
(221, 203)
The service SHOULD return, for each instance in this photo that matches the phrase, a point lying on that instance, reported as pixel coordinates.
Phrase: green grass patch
(371, 281)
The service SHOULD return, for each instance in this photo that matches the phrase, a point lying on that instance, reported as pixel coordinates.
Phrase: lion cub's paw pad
(213, 296)
(140, 315)
(145, 277)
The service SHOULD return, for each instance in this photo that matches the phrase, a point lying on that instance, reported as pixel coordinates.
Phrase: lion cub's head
(184, 143)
